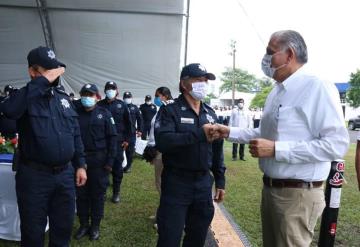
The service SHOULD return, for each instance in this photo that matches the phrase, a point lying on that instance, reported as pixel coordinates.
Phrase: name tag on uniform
(187, 120)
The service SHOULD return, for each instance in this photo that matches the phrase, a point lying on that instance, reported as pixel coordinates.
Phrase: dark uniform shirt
(181, 140)
(7, 125)
(121, 115)
(47, 123)
(98, 131)
(148, 112)
(136, 118)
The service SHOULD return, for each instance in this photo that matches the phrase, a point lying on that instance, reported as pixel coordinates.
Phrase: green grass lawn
(128, 224)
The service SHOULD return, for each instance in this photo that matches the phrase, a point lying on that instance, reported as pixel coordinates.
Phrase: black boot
(94, 233)
(115, 198)
(82, 231)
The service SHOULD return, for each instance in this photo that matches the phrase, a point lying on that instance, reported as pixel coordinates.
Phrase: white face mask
(241, 105)
(110, 94)
(128, 101)
(199, 90)
(148, 102)
(266, 65)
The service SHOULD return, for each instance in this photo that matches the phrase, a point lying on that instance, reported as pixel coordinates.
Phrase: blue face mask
(110, 94)
(88, 101)
(157, 101)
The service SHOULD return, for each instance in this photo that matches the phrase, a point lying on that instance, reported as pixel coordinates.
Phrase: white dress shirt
(303, 116)
(239, 118)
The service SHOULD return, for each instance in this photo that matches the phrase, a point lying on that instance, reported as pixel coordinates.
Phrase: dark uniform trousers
(184, 194)
(146, 130)
(38, 192)
(90, 198)
(117, 170)
(241, 150)
(130, 150)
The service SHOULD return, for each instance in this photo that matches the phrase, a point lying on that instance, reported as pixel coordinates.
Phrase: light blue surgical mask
(157, 101)
(110, 94)
(88, 102)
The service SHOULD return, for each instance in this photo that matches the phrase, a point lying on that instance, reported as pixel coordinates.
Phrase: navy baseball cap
(44, 57)
(110, 85)
(147, 97)
(195, 70)
(127, 95)
(92, 88)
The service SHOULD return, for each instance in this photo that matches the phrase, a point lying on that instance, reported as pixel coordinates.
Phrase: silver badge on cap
(100, 116)
(51, 54)
(88, 86)
(201, 67)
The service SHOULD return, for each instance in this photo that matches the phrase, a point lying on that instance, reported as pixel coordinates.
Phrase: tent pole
(45, 23)
(186, 31)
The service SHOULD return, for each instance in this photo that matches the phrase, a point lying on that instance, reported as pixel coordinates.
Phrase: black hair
(164, 91)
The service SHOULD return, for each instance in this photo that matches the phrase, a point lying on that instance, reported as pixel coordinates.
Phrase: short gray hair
(292, 39)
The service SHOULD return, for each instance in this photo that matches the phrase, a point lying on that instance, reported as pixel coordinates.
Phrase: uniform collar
(184, 103)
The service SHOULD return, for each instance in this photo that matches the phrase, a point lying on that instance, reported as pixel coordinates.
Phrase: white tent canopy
(136, 43)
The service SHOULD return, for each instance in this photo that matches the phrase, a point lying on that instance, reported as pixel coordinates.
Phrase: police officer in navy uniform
(49, 142)
(98, 134)
(8, 127)
(188, 157)
(121, 115)
(148, 111)
(137, 126)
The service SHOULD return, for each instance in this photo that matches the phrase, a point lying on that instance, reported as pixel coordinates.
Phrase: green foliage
(259, 100)
(209, 97)
(353, 95)
(7, 148)
(244, 82)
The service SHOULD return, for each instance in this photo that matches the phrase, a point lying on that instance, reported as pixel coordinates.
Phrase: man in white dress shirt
(301, 131)
(239, 118)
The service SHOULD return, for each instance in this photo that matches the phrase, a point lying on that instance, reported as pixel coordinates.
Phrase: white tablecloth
(9, 215)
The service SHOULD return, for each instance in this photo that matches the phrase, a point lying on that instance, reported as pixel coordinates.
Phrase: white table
(9, 215)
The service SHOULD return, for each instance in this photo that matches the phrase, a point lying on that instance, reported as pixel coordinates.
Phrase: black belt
(46, 168)
(290, 183)
(186, 173)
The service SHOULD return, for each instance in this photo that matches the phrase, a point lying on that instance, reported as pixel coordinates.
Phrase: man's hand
(125, 145)
(219, 195)
(210, 132)
(108, 168)
(80, 177)
(52, 74)
(138, 133)
(262, 148)
(223, 130)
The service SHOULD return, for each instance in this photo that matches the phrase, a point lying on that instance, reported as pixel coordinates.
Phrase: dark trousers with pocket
(130, 153)
(117, 170)
(241, 150)
(42, 194)
(90, 198)
(185, 205)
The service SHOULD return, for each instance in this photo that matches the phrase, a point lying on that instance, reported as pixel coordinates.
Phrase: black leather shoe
(127, 171)
(81, 232)
(115, 198)
(94, 233)
(243, 159)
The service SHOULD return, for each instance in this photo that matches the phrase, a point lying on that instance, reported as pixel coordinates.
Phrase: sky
(330, 29)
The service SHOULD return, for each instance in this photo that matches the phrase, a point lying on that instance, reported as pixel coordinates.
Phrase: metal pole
(186, 31)
(332, 199)
(45, 22)
(233, 47)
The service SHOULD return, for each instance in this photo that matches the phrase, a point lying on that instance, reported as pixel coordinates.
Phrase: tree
(353, 95)
(209, 97)
(259, 100)
(244, 82)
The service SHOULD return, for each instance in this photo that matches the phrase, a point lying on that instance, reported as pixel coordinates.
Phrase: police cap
(127, 95)
(195, 70)
(44, 57)
(92, 88)
(110, 85)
